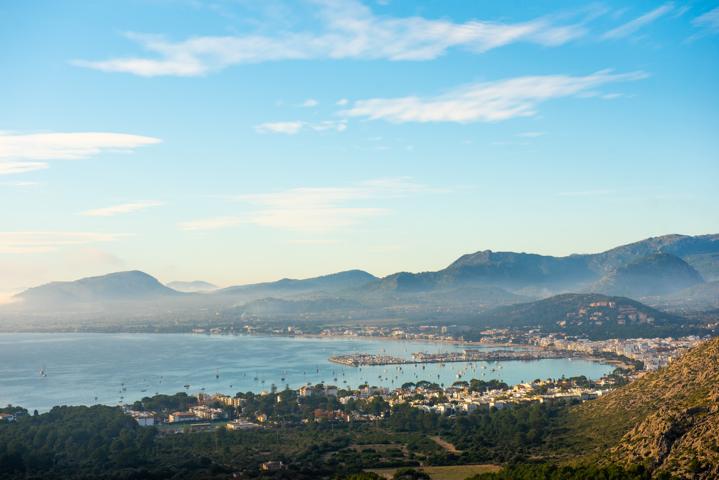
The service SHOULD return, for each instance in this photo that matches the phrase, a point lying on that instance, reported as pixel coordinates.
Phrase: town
(183, 413)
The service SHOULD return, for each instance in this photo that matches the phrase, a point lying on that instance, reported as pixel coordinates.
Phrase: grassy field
(452, 472)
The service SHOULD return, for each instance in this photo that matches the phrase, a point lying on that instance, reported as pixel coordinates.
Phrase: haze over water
(84, 368)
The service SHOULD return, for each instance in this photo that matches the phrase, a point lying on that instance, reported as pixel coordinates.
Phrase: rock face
(667, 420)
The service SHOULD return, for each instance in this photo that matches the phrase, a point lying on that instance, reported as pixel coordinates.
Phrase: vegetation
(555, 472)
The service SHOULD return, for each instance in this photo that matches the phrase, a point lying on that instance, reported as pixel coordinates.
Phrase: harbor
(469, 355)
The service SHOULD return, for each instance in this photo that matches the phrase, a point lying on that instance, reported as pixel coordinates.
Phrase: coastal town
(321, 403)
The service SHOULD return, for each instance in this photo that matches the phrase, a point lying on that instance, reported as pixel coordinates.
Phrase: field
(453, 472)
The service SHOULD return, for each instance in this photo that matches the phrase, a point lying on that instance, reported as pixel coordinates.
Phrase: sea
(42, 370)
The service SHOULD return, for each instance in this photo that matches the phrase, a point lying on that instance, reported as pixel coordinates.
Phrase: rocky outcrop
(667, 420)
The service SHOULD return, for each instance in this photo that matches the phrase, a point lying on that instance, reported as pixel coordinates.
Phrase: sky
(235, 141)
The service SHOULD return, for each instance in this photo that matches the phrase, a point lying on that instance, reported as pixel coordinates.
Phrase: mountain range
(659, 271)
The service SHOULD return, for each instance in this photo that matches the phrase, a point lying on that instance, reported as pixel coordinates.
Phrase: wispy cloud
(349, 30)
(295, 127)
(9, 168)
(485, 102)
(632, 26)
(315, 209)
(20, 184)
(20, 153)
(309, 103)
(120, 209)
(708, 22)
(286, 128)
(39, 242)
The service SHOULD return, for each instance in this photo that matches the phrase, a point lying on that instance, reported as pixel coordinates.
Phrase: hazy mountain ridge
(651, 270)
(655, 274)
(330, 283)
(192, 286)
(667, 420)
(532, 274)
(118, 286)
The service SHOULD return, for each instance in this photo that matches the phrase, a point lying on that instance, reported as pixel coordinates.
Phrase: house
(307, 391)
(272, 466)
(7, 417)
(144, 419)
(241, 425)
(179, 417)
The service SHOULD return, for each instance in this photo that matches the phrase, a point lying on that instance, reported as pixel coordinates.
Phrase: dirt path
(444, 444)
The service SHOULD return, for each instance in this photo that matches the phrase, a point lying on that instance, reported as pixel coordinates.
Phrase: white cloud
(10, 168)
(295, 127)
(316, 209)
(19, 153)
(530, 134)
(286, 128)
(349, 30)
(120, 209)
(39, 242)
(309, 103)
(634, 25)
(708, 21)
(19, 184)
(342, 102)
(485, 102)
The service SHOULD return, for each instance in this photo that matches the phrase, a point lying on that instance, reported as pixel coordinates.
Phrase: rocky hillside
(667, 420)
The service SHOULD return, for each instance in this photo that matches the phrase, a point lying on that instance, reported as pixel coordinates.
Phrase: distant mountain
(542, 275)
(282, 307)
(655, 274)
(193, 286)
(701, 252)
(667, 420)
(114, 287)
(701, 297)
(509, 270)
(589, 314)
(654, 270)
(327, 283)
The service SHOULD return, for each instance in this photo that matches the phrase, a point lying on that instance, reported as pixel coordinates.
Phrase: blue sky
(239, 141)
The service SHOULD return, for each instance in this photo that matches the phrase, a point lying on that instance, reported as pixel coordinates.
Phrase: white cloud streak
(634, 25)
(20, 153)
(708, 21)
(314, 210)
(40, 242)
(350, 30)
(120, 209)
(295, 127)
(485, 102)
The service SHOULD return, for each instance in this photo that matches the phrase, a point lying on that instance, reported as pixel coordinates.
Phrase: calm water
(111, 368)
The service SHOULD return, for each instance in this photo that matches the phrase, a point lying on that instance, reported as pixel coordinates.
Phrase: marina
(360, 359)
